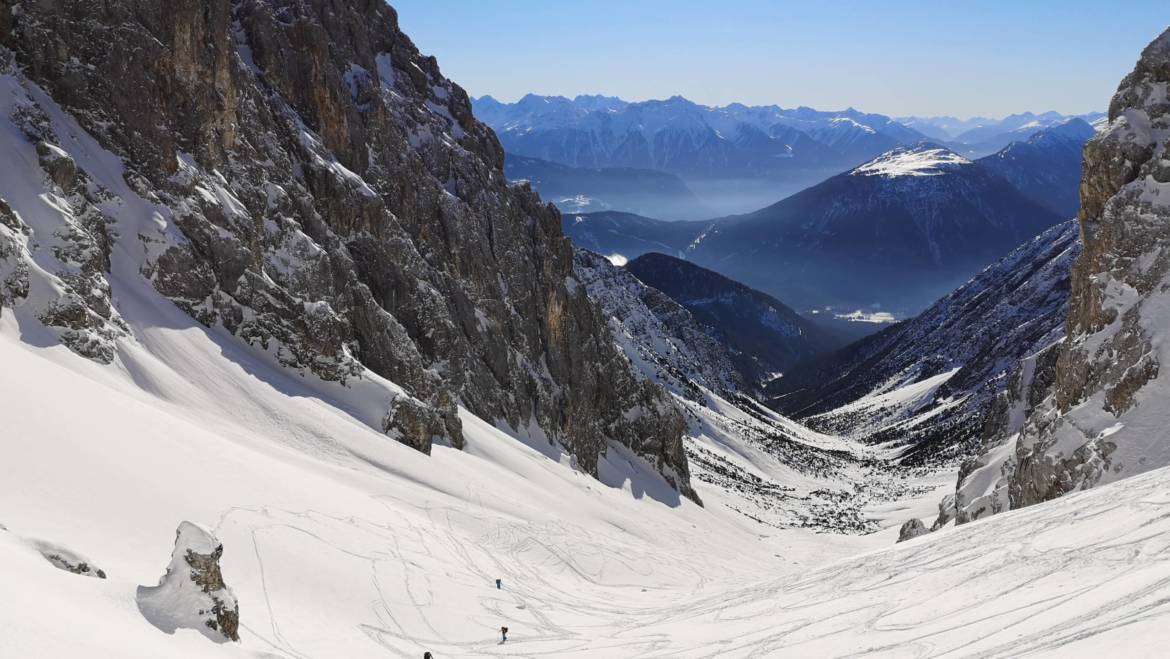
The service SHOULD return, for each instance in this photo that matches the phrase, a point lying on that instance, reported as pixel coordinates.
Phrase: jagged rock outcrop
(53, 263)
(983, 481)
(1102, 416)
(323, 193)
(192, 593)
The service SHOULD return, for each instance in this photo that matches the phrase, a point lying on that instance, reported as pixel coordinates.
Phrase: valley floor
(341, 543)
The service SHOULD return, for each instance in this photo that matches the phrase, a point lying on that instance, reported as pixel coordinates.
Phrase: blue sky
(971, 57)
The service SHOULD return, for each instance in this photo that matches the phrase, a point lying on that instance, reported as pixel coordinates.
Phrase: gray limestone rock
(338, 206)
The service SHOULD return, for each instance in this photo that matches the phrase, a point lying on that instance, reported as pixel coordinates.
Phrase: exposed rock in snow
(911, 529)
(946, 512)
(62, 557)
(984, 481)
(192, 593)
(69, 561)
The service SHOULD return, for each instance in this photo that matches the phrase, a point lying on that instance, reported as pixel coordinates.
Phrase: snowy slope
(367, 553)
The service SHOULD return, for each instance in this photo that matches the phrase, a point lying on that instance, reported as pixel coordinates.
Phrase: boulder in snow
(58, 164)
(912, 529)
(192, 593)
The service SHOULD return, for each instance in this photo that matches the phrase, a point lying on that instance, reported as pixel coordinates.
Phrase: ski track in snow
(1043, 578)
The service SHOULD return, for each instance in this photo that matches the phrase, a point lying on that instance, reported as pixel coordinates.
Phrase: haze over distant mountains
(734, 159)
(893, 234)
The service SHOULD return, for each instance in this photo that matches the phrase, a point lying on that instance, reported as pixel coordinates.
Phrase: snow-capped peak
(851, 123)
(919, 161)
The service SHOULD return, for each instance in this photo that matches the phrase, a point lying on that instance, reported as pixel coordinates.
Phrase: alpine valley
(306, 353)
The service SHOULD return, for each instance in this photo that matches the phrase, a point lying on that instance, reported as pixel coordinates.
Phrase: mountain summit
(921, 160)
(898, 231)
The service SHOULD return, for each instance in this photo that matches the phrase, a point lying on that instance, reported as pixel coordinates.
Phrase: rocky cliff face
(1102, 417)
(324, 194)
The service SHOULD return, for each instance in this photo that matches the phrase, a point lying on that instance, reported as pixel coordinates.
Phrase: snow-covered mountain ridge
(927, 161)
(735, 158)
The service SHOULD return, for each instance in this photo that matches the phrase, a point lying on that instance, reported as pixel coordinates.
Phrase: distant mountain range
(734, 158)
(980, 136)
(1047, 166)
(586, 190)
(893, 234)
